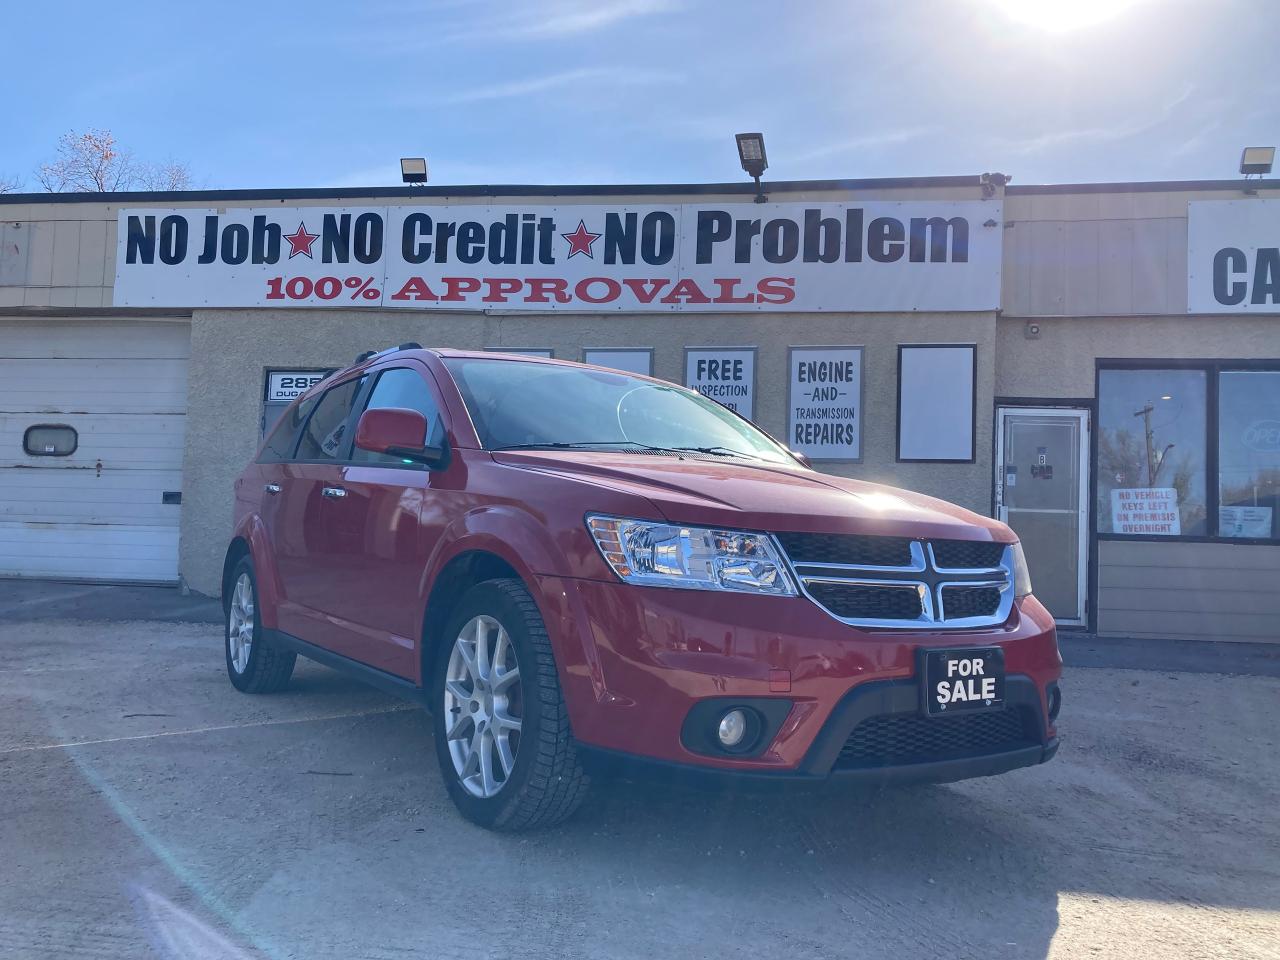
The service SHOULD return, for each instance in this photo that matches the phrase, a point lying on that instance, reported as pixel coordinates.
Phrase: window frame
(362, 404)
(357, 401)
(1212, 369)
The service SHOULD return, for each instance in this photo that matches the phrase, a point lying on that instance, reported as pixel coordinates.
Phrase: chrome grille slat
(981, 596)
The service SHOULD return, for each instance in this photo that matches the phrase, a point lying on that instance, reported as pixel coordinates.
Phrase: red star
(580, 240)
(301, 241)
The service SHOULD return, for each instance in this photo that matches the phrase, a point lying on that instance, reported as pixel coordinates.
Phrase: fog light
(732, 729)
(1055, 702)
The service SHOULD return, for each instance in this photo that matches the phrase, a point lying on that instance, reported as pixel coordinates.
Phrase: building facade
(1099, 365)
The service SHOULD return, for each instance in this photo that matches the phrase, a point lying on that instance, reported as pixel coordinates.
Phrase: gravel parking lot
(149, 810)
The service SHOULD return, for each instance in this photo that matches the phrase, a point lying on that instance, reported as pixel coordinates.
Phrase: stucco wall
(1061, 362)
(232, 348)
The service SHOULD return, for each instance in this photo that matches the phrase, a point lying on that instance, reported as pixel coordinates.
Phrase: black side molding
(386, 682)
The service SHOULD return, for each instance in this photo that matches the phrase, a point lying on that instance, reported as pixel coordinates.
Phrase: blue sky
(326, 93)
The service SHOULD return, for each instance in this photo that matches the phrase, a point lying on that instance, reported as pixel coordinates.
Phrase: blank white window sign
(935, 403)
(628, 361)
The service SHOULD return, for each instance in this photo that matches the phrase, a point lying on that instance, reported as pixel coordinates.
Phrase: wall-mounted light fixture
(754, 161)
(1257, 161)
(413, 169)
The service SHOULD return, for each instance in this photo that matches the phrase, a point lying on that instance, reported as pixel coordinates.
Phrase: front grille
(847, 548)
(888, 582)
(906, 738)
(967, 554)
(858, 602)
(959, 603)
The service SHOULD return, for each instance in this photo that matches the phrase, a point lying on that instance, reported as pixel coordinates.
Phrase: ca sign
(1233, 256)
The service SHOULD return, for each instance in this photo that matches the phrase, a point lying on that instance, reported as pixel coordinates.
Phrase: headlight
(694, 558)
(1021, 575)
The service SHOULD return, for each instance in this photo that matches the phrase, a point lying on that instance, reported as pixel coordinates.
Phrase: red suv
(575, 568)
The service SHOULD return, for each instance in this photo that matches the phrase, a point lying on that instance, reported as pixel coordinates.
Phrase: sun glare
(1061, 16)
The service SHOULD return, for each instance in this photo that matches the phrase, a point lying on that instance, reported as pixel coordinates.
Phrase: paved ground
(148, 810)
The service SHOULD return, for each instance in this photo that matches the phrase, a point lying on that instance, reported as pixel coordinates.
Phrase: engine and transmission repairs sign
(824, 402)
(875, 256)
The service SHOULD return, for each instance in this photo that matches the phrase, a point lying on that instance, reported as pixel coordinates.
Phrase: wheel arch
(237, 550)
(466, 569)
(250, 540)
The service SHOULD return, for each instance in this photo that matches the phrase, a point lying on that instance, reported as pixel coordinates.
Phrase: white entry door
(1042, 492)
(92, 421)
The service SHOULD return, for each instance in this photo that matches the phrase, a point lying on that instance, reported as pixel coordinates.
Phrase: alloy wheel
(483, 706)
(240, 620)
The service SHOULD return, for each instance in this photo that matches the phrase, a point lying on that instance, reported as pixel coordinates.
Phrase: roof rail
(370, 354)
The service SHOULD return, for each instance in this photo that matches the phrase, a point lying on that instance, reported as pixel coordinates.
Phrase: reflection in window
(1248, 452)
(1151, 452)
(325, 436)
(284, 437)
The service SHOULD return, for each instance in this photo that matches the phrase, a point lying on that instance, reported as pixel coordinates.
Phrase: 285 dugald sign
(881, 256)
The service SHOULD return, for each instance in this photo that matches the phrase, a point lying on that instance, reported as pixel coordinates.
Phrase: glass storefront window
(1248, 453)
(1152, 452)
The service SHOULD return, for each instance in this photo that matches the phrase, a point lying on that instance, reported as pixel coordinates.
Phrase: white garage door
(108, 510)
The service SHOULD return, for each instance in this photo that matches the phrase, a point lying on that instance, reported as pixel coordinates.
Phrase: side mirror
(799, 456)
(400, 433)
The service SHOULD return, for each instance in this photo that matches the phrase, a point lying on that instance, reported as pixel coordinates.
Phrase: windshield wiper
(587, 444)
(578, 445)
(720, 452)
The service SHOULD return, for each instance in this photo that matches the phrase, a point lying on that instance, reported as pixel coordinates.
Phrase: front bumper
(635, 661)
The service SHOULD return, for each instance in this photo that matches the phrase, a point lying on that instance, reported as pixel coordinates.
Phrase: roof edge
(1141, 186)
(629, 189)
(493, 190)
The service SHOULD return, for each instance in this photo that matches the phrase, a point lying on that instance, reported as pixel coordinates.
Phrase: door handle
(336, 493)
(272, 488)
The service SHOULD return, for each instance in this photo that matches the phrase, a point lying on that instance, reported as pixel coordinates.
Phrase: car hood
(748, 495)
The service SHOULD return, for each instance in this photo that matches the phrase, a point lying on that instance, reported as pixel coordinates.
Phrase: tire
(263, 668)
(536, 781)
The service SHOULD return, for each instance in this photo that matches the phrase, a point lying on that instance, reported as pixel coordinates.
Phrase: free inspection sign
(874, 256)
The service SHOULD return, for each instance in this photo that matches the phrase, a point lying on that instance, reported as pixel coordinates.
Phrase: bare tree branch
(92, 162)
(170, 175)
(10, 185)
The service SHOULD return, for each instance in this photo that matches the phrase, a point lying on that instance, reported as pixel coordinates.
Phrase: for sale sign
(824, 402)
(872, 256)
(725, 374)
(1146, 510)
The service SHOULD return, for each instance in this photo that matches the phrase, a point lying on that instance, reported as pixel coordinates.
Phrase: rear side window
(284, 437)
(325, 436)
(406, 389)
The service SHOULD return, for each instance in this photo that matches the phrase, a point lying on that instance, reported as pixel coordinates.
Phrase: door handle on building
(272, 488)
(336, 493)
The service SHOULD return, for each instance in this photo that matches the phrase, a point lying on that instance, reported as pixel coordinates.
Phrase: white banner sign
(824, 402)
(1233, 256)
(874, 256)
(725, 374)
(1146, 510)
(286, 385)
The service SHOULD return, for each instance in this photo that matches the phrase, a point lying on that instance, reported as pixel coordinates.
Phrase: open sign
(1263, 436)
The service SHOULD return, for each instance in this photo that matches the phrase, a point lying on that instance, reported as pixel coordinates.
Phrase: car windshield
(517, 404)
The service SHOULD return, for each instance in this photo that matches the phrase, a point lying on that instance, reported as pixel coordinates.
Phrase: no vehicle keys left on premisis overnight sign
(874, 256)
